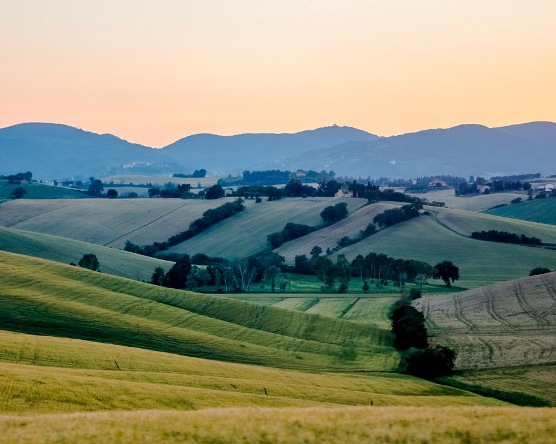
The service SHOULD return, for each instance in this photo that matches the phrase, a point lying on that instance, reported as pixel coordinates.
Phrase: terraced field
(506, 324)
(41, 297)
(479, 262)
(108, 222)
(328, 237)
(63, 250)
(538, 210)
(246, 233)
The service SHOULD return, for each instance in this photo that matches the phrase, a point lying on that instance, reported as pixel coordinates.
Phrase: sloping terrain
(39, 191)
(246, 233)
(479, 262)
(108, 222)
(329, 236)
(42, 297)
(506, 324)
(538, 210)
(66, 251)
(481, 202)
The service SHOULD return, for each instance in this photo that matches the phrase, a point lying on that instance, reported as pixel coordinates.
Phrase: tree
(334, 213)
(431, 362)
(271, 274)
(95, 187)
(446, 271)
(90, 262)
(18, 193)
(215, 192)
(408, 326)
(538, 270)
(158, 276)
(177, 275)
(154, 192)
(111, 193)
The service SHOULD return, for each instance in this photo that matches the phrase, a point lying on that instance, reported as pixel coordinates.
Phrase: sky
(154, 71)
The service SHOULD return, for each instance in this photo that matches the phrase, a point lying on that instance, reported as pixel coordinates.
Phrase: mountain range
(54, 151)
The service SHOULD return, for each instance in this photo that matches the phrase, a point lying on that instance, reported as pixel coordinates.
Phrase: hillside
(506, 324)
(251, 227)
(52, 151)
(108, 222)
(479, 262)
(234, 154)
(42, 297)
(462, 150)
(39, 191)
(65, 251)
(538, 210)
(481, 202)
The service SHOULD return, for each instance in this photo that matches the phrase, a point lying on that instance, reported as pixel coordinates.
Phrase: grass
(296, 425)
(39, 191)
(479, 262)
(251, 227)
(108, 222)
(528, 385)
(503, 325)
(538, 210)
(46, 298)
(123, 179)
(59, 249)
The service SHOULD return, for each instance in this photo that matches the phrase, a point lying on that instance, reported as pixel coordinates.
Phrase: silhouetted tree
(18, 193)
(214, 192)
(111, 193)
(446, 271)
(538, 270)
(90, 262)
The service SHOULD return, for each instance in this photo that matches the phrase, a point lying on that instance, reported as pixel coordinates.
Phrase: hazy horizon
(154, 72)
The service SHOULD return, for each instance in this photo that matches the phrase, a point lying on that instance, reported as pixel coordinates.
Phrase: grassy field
(328, 237)
(251, 227)
(479, 262)
(535, 380)
(538, 210)
(42, 297)
(295, 425)
(108, 222)
(506, 324)
(40, 191)
(59, 249)
(158, 181)
(473, 203)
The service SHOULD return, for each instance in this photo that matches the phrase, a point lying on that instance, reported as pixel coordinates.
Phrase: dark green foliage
(408, 326)
(90, 262)
(446, 271)
(295, 188)
(158, 276)
(196, 174)
(214, 192)
(95, 187)
(538, 270)
(290, 231)
(18, 193)
(111, 193)
(431, 362)
(334, 213)
(394, 216)
(325, 271)
(505, 237)
(303, 265)
(177, 275)
(154, 192)
(414, 293)
(17, 178)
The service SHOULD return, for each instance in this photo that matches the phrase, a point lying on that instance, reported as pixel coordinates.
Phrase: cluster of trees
(182, 191)
(197, 174)
(410, 335)
(18, 178)
(290, 232)
(394, 216)
(276, 177)
(539, 270)
(505, 237)
(18, 193)
(333, 214)
(210, 217)
(494, 185)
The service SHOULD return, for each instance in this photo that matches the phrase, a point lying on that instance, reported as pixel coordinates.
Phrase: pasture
(108, 222)
(246, 233)
(66, 251)
(40, 191)
(506, 324)
(479, 262)
(538, 210)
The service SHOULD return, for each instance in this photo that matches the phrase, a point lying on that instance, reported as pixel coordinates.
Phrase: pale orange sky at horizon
(152, 72)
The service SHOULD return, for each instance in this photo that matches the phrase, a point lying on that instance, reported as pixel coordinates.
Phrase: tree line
(505, 237)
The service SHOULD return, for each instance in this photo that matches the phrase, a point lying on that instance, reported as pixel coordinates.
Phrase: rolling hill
(462, 151)
(510, 323)
(538, 210)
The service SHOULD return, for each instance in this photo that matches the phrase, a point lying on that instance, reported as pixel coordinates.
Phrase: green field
(479, 262)
(538, 210)
(246, 233)
(505, 324)
(108, 222)
(66, 251)
(40, 191)
(158, 181)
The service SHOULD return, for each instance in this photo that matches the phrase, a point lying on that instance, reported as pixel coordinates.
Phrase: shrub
(430, 363)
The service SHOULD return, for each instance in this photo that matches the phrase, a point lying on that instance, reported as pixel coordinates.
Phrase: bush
(90, 262)
(334, 213)
(408, 326)
(430, 363)
(538, 270)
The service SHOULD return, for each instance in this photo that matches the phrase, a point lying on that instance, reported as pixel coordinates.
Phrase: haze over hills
(59, 151)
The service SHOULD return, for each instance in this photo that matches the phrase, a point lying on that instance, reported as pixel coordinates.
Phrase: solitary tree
(446, 271)
(18, 193)
(111, 193)
(90, 262)
(214, 192)
(539, 270)
(95, 188)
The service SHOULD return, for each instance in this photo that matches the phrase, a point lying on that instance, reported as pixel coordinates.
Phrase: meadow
(40, 191)
(537, 210)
